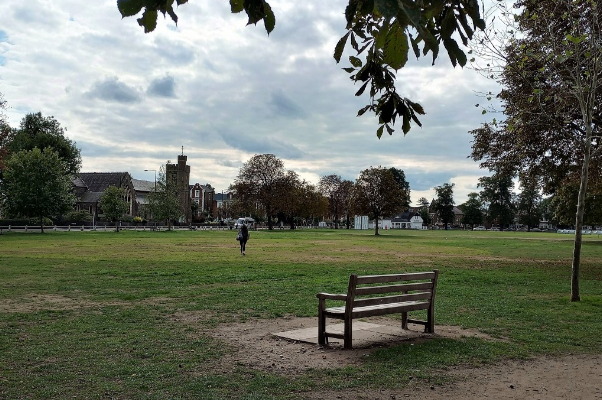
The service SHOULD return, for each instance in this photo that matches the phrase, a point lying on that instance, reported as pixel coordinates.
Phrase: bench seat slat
(392, 299)
(411, 276)
(379, 309)
(408, 287)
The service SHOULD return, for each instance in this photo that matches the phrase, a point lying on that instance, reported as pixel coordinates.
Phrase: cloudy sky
(226, 91)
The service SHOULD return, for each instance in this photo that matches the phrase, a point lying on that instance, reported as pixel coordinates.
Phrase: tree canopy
(472, 210)
(113, 204)
(164, 201)
(380, 33)
(257, 182)
(444, 203)
(38, 131)
(497, 193)
(35, 185)
(378, 194)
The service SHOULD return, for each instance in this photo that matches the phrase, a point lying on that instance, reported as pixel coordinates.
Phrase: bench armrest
(330, 296)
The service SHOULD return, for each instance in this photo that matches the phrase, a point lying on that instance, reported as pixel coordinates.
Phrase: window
(197, 193)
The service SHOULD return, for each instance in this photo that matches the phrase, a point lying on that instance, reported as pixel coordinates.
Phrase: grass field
(90, 315)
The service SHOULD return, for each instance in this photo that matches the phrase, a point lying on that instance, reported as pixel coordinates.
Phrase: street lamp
(155, 171)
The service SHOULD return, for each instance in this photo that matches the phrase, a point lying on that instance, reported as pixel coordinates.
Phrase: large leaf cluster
(380, 32)
(35, 185)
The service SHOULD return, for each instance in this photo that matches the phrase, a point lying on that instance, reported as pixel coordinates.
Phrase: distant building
(203, 196)
(89, 186)
(222, 205)
(179, 174)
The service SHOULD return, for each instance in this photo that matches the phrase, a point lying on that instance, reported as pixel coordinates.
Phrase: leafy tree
(444, 203)
(564, 203)
(42, 132)
(164, 202)
(288, 204)
(35, 185)
(377, 194)
(546, 211)
(552, 90)
(381, 33)
(473, 210)
(113, 204)
(528, 202)
(423, 204)
(312, 203)
(5, 132)
(347, 193)
(497, 192)
(400, 178)
(331, 187)
(257, 181)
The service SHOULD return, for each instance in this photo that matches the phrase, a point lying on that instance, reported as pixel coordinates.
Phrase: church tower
(180, 174)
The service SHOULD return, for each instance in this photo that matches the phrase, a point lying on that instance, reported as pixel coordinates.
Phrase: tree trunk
(376, 226)
(575, 296)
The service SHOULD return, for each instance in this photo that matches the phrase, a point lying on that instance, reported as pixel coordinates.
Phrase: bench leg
(321, 324)
(404, 320)
(430, 323)
(348, 335)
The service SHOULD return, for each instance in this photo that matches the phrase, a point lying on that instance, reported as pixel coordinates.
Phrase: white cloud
(226, 91)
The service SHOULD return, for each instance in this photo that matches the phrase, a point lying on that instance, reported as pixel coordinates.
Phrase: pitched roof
(99, 181)
(143, 186)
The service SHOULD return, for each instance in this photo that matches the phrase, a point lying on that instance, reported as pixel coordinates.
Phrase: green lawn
(91, 315)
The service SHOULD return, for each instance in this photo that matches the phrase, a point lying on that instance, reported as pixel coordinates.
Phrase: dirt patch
(54, 302)
(255, 346)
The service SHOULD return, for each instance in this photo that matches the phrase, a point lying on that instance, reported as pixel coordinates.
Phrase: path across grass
(91, 314)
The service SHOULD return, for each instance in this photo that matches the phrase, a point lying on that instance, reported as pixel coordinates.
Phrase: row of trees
(264, 187)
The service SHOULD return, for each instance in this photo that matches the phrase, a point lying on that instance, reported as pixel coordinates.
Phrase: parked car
(479, 228)
(244, 220)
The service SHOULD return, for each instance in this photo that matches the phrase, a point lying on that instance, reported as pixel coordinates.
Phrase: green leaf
(129, 8)
(448, 25)
(396, 48)
(148, 20)
(269, 20)
(255, 11)
(338, 50)
(361, 91)
(454, 52)
(379, 131)
(237, 6)
(405, 127)
(415, 46)
(387, 8)
(363, 110)
(356, 62)
(416, 107)
(389, 129)
(380, 38)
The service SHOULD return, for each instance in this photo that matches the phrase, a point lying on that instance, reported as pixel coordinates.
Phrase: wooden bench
(402, 293)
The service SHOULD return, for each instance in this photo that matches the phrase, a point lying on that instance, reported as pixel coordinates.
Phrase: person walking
(244, 236)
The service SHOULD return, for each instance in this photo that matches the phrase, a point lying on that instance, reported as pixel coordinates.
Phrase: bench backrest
(370, 290)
